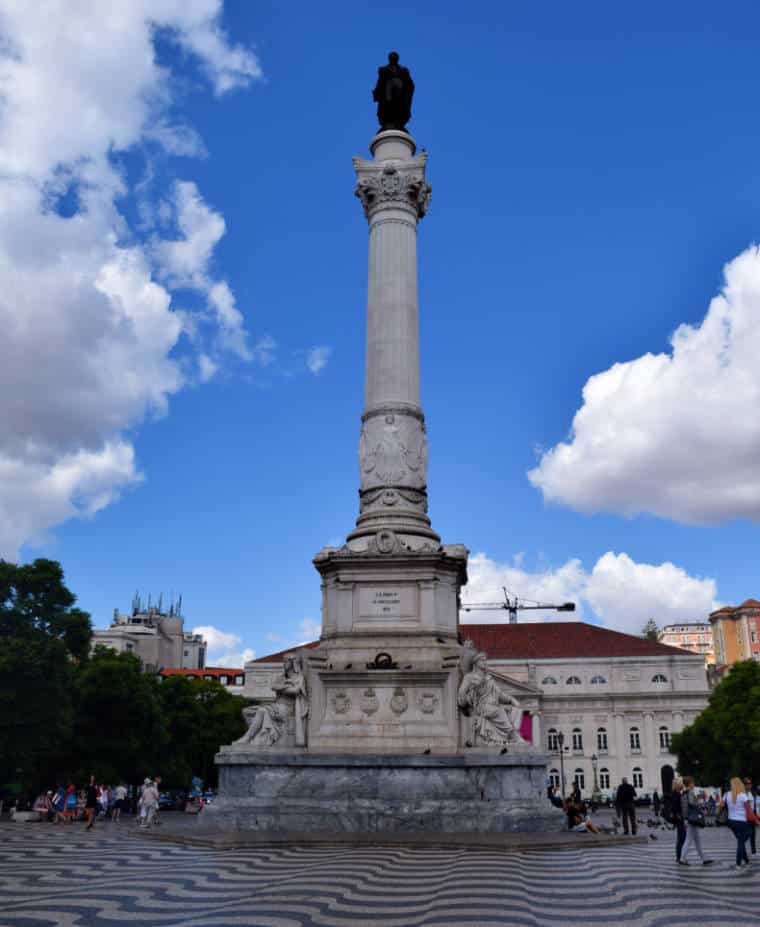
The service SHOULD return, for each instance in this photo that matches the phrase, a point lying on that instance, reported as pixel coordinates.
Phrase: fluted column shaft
(393, 446)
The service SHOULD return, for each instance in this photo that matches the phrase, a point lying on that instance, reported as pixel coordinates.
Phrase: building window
(187, 653)
(577, 740)
(604, 778)
(598, 681)
(579, 779)
(224, 680)
(601, 740)
(554, 778)
(664, 738)
(635, 740)
(239, 680)
(548, 681)
(573, 681)
(553, 742)
(638, 778)
(658, 677)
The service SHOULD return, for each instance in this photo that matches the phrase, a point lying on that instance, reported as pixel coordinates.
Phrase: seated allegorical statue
(267, 723)
(495, 714)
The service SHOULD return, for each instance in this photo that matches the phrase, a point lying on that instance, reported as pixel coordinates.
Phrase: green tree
(120, 727)
(201, 715)
(42, 638)
(650, 630)
(724, 739)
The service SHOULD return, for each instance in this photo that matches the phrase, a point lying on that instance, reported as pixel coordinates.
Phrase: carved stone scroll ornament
(495, 714)
(393, 183)
(268, 723)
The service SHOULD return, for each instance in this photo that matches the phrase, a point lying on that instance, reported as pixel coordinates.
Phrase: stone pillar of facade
(535, 718)
(393, 445)
(621, 742)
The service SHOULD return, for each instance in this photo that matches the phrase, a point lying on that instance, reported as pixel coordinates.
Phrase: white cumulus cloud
(619, 592)
(90, 332)
(674, 434)
(317, 358)
(223, 647)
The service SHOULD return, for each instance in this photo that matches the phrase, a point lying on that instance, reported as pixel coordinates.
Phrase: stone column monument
(392, 722)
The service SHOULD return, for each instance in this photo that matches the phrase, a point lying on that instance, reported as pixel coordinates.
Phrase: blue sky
(184, 269)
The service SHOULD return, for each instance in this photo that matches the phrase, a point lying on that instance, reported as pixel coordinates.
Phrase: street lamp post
(596, 796)
(561, 742)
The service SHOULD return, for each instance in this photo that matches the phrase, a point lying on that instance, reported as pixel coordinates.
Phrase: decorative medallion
(386, 541)
(369, 703)
(399, 701)
(340, 702)
(428, 702)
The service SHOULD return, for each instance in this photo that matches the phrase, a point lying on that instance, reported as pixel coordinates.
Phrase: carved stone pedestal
(297, 792)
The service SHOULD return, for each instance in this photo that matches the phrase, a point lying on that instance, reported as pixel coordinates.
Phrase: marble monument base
(306, 792)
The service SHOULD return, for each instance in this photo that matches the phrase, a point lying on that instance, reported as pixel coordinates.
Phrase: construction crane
(513, 605)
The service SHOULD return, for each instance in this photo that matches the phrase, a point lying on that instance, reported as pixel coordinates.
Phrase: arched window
(554, 778)
(577, 740)
(598, 681)
(658, 677)
(548, 681)
(638, 778)
(635, 740)
(604, 778)
(601, 740)
(664, 738)
(573, 681)
(553, 742)
(579, 779)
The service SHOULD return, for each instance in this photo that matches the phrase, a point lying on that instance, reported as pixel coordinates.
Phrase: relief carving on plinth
(395, 183)
(393, 451)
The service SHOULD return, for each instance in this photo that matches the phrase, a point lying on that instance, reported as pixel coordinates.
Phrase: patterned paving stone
(66, 876)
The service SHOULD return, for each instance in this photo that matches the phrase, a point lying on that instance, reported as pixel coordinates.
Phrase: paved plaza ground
(68, 876)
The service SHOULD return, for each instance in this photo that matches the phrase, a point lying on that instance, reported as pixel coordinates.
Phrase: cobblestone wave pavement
(64, 875)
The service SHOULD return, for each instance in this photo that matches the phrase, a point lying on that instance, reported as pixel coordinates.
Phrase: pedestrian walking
(695, 821)
(91, 802)
(70, 812)
(751, 791)
(59, 804)
(624, 802)
(120, 801)
(673, 815)
(148, 803)
(656, 803)
(741, 818)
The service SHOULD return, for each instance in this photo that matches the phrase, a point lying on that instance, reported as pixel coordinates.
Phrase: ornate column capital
(393, 184)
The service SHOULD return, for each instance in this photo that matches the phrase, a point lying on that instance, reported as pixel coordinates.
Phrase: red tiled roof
(547, 640)
(750, 603)
(209, 671)
(556, 640)
(281, 654)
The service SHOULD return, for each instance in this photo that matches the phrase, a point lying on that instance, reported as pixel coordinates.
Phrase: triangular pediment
(518, 686)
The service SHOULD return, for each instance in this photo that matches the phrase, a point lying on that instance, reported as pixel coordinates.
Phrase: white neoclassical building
(610, 699)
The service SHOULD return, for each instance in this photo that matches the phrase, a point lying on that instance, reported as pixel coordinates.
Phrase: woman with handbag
(741, 818)
(695, 821)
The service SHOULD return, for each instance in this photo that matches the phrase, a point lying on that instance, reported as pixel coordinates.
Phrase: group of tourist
(738, 809)
(66, 804)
